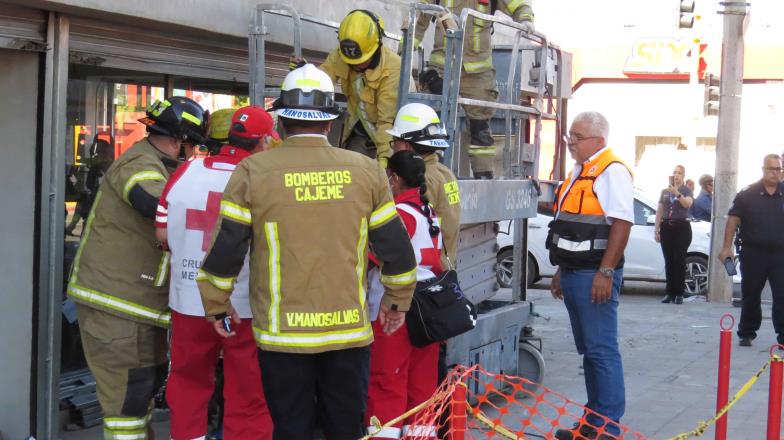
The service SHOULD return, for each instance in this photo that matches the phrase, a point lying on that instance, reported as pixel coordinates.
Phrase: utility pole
(727, 140)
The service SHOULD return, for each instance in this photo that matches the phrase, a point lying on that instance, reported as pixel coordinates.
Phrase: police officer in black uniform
(759, 211)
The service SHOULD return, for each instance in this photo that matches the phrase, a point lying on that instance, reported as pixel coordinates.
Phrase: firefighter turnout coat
(309, 212)
(120, 268)
(372, 96)
(444, 195)
(477, 47)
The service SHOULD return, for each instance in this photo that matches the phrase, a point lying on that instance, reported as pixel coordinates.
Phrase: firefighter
(477, 79)
(369, 74)
(186, 216)
(417, 128)
(218, 129)
(308, 212)
(120, 272)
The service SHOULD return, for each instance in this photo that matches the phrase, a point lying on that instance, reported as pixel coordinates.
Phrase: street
(670, 356)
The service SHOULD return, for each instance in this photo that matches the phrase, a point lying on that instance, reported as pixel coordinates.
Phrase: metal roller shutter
(186, 53)
(22, 28)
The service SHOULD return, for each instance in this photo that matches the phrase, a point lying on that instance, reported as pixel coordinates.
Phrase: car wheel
(504, 272)
(696, 275)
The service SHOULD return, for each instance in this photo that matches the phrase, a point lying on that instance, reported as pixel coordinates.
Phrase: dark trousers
(758, 266)
(675, 241)
(331, 386)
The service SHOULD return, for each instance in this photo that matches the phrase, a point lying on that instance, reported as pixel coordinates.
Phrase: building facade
(78, 73)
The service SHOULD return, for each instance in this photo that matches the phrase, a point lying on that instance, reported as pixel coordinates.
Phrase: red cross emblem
(204, 221)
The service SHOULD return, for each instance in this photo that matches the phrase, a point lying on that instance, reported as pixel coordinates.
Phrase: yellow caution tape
(703, 425)
(378, 427)
(497, 428)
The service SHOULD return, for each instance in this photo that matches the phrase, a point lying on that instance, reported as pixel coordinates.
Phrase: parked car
(644, 260)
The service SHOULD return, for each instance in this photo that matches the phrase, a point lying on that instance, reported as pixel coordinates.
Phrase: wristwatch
(607, 271)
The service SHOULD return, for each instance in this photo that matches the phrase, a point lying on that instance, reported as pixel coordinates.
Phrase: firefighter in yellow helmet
(218, 129)
(368, 73)
(478, 75)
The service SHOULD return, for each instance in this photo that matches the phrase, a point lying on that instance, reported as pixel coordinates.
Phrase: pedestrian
(594, 213)
(402, 375)
(308, 212)
(701, 208)
(759, 211)
(187, 212)
(690, 184)
(369, 74)
(120, 273)
(101, 160)
(477, 75)
(673, 231)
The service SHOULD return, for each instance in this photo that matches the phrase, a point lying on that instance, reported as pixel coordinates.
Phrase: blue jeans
(595, 330)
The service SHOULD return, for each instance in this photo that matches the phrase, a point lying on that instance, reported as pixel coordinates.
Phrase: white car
(644, 260)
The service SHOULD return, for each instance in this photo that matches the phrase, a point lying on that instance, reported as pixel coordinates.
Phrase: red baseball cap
(252, 122)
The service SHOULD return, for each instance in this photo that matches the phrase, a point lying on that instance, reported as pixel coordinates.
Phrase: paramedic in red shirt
(401, 375)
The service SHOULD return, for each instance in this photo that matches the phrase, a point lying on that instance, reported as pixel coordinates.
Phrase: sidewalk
(670, 357)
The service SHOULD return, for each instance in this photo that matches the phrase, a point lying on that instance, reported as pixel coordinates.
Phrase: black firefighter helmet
(178, 117)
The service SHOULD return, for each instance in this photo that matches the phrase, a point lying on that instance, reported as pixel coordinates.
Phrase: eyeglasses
(776, 169)
(572, 140)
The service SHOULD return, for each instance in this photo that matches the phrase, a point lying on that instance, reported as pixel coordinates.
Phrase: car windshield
(644, 198)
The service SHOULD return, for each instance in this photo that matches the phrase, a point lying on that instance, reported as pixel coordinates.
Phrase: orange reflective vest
(578, 236)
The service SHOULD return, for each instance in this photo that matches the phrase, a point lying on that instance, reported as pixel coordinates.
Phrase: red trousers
(194, 352)
(401, 377)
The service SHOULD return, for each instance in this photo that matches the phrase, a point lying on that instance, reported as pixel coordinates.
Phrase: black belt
(674, 221)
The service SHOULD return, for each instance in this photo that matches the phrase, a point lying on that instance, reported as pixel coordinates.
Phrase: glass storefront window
(102, 122)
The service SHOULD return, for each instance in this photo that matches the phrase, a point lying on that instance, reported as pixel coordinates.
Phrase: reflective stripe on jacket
(310, 211)
(444, 194)
(578, 236)
(477, 47)
(119, 267)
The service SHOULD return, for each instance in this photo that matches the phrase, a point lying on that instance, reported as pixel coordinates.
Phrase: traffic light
(686, 14)
(712, 94)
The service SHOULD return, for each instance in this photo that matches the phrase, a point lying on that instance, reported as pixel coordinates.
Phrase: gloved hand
(296, 62)
(529, 25)
(432, 81)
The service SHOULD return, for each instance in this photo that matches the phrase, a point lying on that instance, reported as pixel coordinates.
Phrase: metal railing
(258, 33)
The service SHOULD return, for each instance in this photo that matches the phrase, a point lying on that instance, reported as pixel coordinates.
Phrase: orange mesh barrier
(473, 404)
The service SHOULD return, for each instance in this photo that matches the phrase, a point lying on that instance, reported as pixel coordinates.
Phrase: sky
(576, 23)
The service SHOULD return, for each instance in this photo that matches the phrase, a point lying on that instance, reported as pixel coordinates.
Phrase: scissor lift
(534, 78)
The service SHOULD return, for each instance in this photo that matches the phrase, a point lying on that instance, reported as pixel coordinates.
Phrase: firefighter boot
(481, 149)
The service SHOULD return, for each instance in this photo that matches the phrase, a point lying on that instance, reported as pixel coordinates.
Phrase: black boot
(481, 136)
(483, 175)
(667, 299)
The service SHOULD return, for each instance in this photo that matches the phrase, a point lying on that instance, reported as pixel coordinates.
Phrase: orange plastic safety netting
(473, 404)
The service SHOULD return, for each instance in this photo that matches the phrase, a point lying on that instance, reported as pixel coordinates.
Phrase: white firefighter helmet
(419, 124)
(307, 94)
